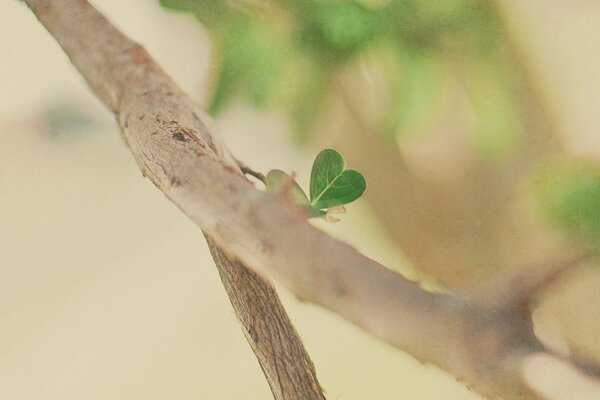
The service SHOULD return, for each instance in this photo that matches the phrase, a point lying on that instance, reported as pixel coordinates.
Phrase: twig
(246, 170)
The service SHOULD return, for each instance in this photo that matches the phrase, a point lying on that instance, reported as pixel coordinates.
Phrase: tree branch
(173, 143)
(518, 290)
(113, 65)
(275, 342)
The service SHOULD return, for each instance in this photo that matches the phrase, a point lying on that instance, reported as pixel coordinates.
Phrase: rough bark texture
(268, 329)
(175, 147)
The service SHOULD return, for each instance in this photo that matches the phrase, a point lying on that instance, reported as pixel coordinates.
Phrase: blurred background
(475, 124)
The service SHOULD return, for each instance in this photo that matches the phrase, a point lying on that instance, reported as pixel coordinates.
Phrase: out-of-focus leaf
(459, 25)
(338, 29)
(497, 124)
(257, 44)
(417, 91)
(570, 197)
(212, 13)
(331, 184)
(480, 29)
(252, 58)
(302, 93)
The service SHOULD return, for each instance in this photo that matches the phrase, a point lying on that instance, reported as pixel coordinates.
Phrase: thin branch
(246, 170)
(268, 329)
(173, 141)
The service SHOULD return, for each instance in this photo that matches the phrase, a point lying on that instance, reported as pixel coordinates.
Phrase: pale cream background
(108, 292)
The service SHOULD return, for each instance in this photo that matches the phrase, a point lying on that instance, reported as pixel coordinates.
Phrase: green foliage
(336, 30)
(491, 93)
(211, 13)
(570, 197)
(418, 88)
(305, 98)
(251, 59)
(284, 53)
(331, 184)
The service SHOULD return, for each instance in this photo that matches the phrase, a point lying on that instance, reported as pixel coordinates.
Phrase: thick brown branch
(268, 329)
(172, 140)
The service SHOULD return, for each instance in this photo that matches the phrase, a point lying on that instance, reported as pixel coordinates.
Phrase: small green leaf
(331, 184)
(328, 165)
(277, 180)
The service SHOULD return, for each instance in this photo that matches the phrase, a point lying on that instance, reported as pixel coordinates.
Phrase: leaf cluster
(263, 47)
(332, 185)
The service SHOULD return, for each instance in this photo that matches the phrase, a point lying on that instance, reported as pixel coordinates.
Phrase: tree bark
(269, 331)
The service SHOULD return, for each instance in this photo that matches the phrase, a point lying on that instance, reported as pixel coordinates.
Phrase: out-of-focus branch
(175, 147)
(518, 290)
(443, 190)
